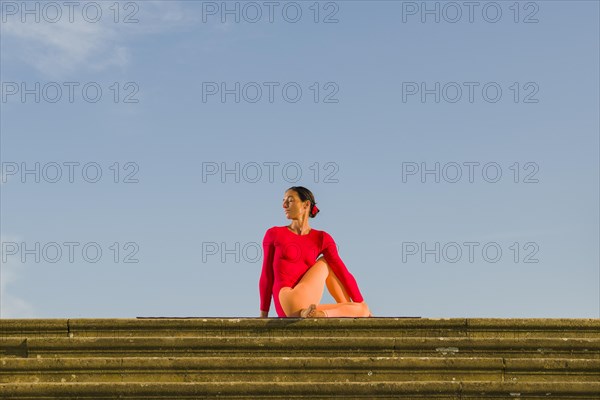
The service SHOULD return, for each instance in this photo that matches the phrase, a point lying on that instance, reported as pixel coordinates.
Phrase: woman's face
(293, 206)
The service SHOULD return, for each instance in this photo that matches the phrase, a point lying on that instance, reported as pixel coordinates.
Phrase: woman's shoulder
(322, 232)
(274, 230)
(270, 232)
(326, 239)
(323, 236)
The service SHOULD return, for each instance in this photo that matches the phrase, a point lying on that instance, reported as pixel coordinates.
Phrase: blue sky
(159, 125)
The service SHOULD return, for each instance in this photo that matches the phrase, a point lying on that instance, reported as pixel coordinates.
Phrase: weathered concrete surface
(341, 358)
(295, 369)
(253, 389)
(572, 348)
(380, 327)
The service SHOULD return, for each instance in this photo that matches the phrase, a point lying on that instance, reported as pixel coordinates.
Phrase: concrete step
(296, 369)
(293, 358)
(306, 346)
(431, 390)
(297, 327)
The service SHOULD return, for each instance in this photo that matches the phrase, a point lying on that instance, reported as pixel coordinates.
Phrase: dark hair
(304, 195)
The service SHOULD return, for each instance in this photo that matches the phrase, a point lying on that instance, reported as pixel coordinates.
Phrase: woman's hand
(264, 314)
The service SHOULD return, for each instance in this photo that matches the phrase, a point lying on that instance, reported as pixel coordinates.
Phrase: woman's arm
(265, 284)
(339, 268)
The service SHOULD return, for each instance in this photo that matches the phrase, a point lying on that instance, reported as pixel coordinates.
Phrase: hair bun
(314, 211)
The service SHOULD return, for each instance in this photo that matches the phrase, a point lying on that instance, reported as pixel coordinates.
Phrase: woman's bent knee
(322, 260)
(320, 267)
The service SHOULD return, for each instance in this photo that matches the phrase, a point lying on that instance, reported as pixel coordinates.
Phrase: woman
(293, 275)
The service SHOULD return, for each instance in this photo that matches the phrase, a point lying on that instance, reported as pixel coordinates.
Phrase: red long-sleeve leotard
(287, 256)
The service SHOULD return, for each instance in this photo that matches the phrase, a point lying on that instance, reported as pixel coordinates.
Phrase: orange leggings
(310, 290)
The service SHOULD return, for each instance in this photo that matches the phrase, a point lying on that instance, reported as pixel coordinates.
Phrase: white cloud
(62, 48)
(12, 306)
(59, 49)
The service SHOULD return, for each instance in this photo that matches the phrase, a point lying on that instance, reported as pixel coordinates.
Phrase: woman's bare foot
(319, 314)
(307, 312)
(312, 312)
